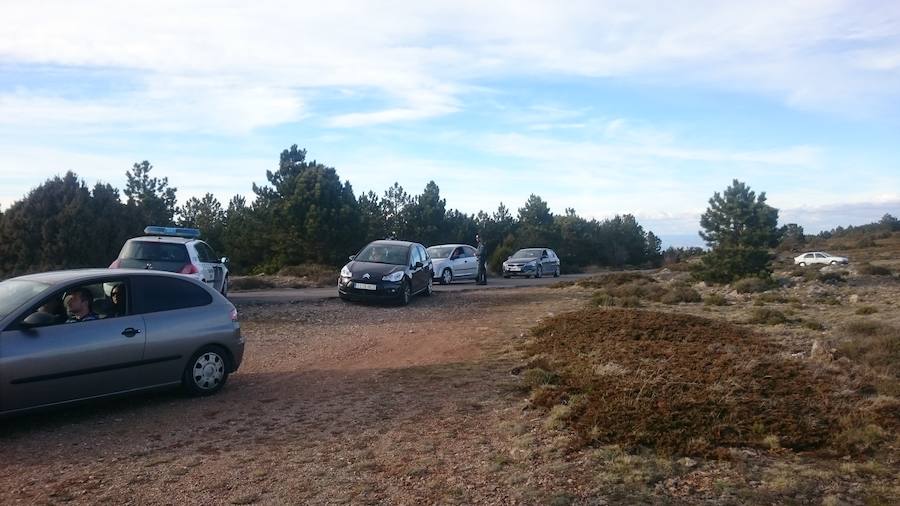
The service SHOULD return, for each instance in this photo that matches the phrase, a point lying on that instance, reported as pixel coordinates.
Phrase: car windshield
(384, 254)
(15, 292)
(440, 251)
(154, 251)
(527, 253)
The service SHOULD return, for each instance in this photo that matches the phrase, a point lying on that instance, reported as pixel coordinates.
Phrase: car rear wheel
(206, 372)
(802, 264)
(446, 277)
(833, 262)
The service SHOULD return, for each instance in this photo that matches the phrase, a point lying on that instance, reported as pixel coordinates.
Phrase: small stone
(687, 462)
(854, 298)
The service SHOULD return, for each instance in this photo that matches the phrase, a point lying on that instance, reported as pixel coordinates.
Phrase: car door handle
(131, 332)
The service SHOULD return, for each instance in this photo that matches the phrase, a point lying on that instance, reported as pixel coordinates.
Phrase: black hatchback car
(387, 270)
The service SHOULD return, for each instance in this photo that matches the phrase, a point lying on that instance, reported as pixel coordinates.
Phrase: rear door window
(153, 294)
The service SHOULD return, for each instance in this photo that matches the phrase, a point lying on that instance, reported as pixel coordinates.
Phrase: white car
(175, 249)
(452, 262)
(818, 257)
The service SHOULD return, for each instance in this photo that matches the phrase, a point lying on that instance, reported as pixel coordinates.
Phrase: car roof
(387, 242)
(76, 275)
(449, 246)
(538, 247)
(163, 238)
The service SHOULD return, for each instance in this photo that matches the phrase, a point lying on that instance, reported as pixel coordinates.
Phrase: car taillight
(189, 269)
(115, 264)
(233, 313)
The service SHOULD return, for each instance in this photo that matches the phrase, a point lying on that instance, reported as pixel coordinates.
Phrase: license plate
(363, 286)
(513, 267)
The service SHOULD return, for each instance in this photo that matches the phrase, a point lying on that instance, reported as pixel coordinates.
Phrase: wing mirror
(419, 265)
(223, 260)
(352, 257)
(38, 319)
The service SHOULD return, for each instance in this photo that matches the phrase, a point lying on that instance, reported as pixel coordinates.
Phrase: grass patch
(864, 310)
(876, 345)
(678, 383)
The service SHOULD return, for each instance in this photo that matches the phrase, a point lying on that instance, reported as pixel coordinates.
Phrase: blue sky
(606, 107)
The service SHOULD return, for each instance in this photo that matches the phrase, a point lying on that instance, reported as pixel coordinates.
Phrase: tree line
(305, 214)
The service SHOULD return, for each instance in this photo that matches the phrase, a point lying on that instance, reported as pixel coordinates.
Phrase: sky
(607, 107)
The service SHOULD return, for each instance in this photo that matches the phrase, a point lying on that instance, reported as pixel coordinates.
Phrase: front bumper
(525, 270)
(384, 290)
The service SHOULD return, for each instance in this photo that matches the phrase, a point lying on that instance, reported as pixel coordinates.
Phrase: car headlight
(394, 277)
(345, 272)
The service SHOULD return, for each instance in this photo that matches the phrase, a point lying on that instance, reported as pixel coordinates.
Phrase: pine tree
(739, 227)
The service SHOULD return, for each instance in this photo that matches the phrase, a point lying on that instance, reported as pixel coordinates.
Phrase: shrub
(767, 316)
(866, 310)
(772, 298)
(715, 300)
(249, 283)
(874, 270)
(678, 294)
(536, 377)
(317, 274)
(832, 278)
(754, 284)
(641, 383)
(813, 325)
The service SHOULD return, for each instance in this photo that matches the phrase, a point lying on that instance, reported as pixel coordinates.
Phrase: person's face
(74, 303)
(117, 295)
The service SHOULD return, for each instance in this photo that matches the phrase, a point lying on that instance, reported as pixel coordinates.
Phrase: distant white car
(453, 262)
(818, 257)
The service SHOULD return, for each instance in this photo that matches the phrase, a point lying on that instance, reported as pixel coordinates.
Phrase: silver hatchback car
(74, 335)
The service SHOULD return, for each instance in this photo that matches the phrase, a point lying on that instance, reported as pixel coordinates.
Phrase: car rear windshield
(384, 254)
(15, 292)
(527, 253)
(440, 252)
(154, 251)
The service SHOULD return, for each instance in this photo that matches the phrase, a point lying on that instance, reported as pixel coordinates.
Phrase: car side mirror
(38, 319)
(419, 265)
(352, 257)
(223, 260)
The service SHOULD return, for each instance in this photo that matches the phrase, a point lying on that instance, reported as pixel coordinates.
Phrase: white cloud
(818, 54)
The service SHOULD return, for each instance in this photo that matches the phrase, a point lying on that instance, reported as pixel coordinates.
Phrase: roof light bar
(189, 233)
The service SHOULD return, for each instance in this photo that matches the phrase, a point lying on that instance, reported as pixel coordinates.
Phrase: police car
(175, 249)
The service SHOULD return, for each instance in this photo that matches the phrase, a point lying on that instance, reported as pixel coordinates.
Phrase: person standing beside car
(481, 253)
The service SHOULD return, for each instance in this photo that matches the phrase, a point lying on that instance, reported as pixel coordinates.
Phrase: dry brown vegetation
(296, 276)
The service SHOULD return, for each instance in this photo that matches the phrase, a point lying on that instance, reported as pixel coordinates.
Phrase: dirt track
(335, 403)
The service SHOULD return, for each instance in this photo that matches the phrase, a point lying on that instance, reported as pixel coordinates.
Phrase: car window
(81, 303)
(149, 251)
(819, 255)
(384, 254)
(153, 294)
(458, 253)
(16, 292)
(209, 253)
(417, 256)
(468, 251)
(422, 254)
(439, 252)
(808, 255)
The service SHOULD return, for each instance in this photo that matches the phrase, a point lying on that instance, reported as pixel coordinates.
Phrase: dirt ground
(334, 404)
(342, 403)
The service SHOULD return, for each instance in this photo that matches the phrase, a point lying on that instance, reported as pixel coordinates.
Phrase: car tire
(446, 277)
(802, 264)
(405, 294)
(539, 273)
(833, 262)
(206, 372)
(506, 276)
(430, 288)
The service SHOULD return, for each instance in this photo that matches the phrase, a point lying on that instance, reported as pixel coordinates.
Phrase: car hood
(522, 260)
(374, 270)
